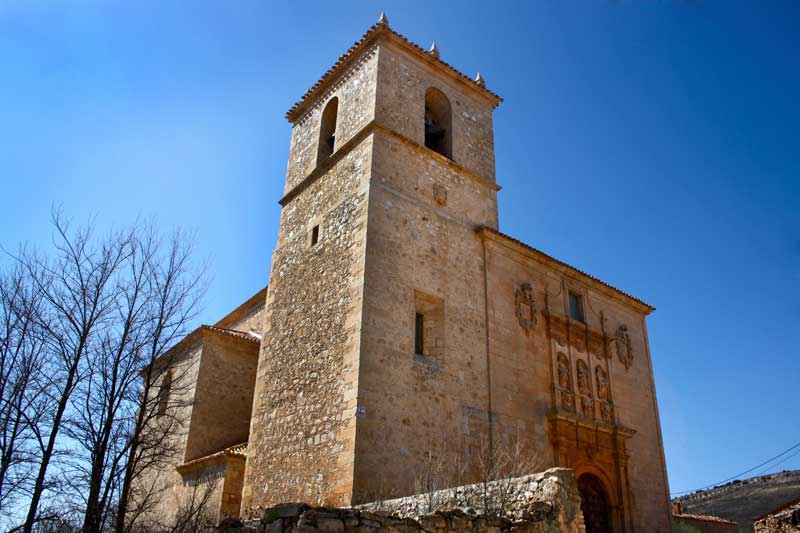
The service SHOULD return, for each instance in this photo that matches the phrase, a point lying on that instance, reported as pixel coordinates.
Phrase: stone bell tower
(374, 350)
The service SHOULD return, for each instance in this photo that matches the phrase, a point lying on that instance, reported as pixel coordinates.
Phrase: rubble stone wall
(302, 429)
(547, 502)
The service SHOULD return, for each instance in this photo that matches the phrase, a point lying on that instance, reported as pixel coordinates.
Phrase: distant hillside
(742, 500)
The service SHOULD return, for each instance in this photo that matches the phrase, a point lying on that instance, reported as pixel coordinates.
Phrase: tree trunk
(38, 487)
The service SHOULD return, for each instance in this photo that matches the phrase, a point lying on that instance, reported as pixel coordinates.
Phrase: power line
(778, 463)
(740, 473)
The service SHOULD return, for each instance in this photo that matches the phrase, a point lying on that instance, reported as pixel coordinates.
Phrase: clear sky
(652, 143)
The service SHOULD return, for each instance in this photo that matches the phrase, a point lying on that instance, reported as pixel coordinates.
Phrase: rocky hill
(743, 500)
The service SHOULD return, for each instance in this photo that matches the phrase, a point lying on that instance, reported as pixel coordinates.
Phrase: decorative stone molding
(525, 306)
(581, 337)
(584, 378)
(622, 341)
(565, 383)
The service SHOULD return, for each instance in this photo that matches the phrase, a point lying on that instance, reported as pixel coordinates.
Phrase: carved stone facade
(387, 245)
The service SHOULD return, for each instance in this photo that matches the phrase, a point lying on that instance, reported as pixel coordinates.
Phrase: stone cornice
(355, 140)
(490, 234)
(235, 453)
(559, 415)
(382, 32)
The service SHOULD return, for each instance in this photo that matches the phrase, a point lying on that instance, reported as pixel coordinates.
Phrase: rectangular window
(419, 334)
(164, 392)
(576, 307)
(315, 235)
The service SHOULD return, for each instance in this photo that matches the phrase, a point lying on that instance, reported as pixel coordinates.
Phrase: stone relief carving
(605, 411)
(568, 401)
(564, 374)
(603, 392)
(440, 194)
(601, 378)
(565, 383)
(624, 347)
(587, 407)
(526, 306)
(584, 378)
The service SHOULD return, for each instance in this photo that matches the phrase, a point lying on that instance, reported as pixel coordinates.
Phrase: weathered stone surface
(526, 514)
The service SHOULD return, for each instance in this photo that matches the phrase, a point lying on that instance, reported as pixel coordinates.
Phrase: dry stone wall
(547, 502)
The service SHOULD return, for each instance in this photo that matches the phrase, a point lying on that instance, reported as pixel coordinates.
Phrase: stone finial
(434, 50)
(479, 80)
(383, 20)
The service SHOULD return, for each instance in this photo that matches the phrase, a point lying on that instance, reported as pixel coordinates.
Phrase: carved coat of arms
(526, 306)
(623, 344)
(440, 194)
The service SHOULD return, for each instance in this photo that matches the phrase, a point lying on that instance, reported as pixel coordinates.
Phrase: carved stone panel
(584, 378)
(566, 393)
(587, 407)
(564, 372)
(568, 401)
(603, 393)
(622, 342)
(440, 194)
(525, 306)
(605, 410)
(601, 378)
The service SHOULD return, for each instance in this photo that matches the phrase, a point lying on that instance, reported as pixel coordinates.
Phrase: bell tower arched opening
(327, 130)
(438, 123)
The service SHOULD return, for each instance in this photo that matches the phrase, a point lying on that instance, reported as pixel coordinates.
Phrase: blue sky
(651, 143)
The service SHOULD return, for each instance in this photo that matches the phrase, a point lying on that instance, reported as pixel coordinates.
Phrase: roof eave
(376, 31)
(491, 233)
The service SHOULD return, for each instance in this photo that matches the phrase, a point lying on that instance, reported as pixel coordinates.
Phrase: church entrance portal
(594, 504)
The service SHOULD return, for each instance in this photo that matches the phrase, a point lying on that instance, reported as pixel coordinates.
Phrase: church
(399, 321)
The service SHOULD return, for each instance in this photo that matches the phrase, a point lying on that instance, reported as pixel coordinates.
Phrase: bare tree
(158, 297)
(498, 466)
(22, 402)
(78, 287)
(195, 514)
(158, 420)
(85, 338)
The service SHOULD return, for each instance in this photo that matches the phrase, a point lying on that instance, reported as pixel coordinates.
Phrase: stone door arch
(595, 504)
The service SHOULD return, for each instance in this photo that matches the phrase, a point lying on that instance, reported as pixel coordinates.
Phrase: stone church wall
(303, 427)
(522, 362)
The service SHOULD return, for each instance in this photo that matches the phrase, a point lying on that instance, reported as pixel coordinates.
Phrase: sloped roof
(238, 450)
(562, 263)
(377, 29)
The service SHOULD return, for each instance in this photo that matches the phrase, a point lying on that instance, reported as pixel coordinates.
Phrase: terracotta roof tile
(375, 30)
(232, 333)
(238, 450)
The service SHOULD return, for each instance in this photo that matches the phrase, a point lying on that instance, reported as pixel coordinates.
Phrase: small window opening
(428, 326)
(164, 392)
(576, 307)
(315, 235)
(327, 130)
(438, 125)
(419, 334)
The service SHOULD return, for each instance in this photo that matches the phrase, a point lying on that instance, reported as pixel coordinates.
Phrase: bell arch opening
(327, 130)
(438, 123)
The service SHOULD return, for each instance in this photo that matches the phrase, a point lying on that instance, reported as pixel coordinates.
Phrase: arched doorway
(594, 504)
